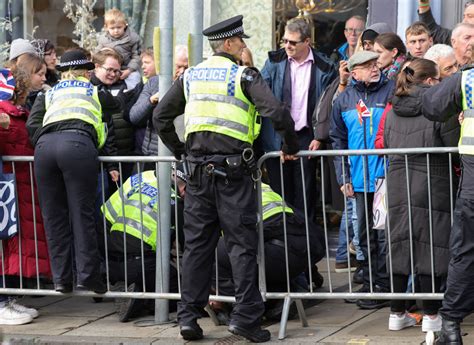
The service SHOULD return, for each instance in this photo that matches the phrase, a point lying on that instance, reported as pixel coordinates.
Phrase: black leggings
(400, 282)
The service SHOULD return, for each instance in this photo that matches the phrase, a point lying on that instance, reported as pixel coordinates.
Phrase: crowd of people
(374, 91)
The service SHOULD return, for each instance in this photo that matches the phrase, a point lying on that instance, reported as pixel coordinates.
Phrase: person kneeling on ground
(139, 210)
(275, 213)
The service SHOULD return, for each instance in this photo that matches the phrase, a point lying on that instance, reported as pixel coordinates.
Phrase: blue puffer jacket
(273, 73)
(348, 132)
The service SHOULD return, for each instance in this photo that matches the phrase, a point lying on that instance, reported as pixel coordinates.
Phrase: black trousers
(66, 169)
(294, 189)
(377, 246)
(275, 265)
(400, 282)
(458, 299)
(214, 204)
(135, 271)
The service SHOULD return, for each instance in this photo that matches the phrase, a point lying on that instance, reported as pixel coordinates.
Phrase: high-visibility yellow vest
(272, 203)
(75, 99)
(466, 140)
(138, 213)
(216, 102)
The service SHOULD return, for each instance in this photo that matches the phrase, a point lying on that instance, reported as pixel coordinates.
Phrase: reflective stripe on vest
(137, 215)
(75, 99)
(216, 102)
(272, 203)
(466, 139)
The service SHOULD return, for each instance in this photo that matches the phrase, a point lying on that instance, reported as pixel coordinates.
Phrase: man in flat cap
(219, 99)
(354, 122)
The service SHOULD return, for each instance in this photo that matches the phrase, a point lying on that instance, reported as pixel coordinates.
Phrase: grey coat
(141, 114)
(128, 46)
(405, 127)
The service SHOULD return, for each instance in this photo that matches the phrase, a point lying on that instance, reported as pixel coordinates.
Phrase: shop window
(327, 18)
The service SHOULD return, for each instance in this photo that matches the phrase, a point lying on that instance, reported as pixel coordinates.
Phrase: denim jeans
(376, 249)
(350, 214)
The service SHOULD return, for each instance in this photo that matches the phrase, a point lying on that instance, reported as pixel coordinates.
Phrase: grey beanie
(21, 46)
(371, 32)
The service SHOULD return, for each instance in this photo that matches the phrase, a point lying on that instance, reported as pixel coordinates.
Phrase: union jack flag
(362, 110)
(7, 84)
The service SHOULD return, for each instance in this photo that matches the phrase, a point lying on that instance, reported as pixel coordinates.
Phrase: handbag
(379, 209)
(8, 205)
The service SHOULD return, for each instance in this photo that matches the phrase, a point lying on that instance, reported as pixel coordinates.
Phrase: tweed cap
(360, 58)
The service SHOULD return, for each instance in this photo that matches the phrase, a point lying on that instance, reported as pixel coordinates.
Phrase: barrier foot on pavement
(301, 313)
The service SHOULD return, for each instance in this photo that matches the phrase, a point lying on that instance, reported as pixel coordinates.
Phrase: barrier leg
(301, 313)
(284, 318)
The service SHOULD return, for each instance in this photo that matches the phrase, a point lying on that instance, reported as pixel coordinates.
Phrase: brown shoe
(343, 267)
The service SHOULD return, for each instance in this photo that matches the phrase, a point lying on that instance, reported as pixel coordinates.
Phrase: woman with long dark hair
(392, 54)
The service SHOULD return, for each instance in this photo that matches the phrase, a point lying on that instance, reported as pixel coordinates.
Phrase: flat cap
(228, 28)
(360, 58)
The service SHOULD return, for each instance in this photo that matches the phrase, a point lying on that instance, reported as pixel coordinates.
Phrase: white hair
(181, 50)
(438, 51)
(459, 27)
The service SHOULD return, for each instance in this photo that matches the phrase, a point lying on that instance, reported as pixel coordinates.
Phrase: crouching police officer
(440, 102)
(275, 215)
(132, 214)
(67, 127)
(219, 100)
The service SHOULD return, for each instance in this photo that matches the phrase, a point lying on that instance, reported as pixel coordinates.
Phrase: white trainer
(10, 316)
(429, 324)
(397, 322)
(22, 309)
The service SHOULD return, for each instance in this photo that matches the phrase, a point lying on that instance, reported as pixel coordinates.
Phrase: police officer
(276, 216)
(440, 102)
(67, 129)
(219, 99)
(133, 209)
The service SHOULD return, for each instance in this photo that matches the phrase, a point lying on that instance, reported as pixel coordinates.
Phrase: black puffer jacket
(406, 127)
(116, 108)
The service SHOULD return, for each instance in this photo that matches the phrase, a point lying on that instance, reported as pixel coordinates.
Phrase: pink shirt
(300, 80)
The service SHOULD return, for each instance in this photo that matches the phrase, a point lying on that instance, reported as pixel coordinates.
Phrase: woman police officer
(67, 128)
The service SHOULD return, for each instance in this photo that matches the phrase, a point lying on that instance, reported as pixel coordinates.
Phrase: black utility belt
(231, 166)
(233, 169)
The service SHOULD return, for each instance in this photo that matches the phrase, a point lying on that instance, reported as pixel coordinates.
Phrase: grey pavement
(79, 320)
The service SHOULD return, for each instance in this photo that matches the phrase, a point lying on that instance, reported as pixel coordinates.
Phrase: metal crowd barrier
(334, 287)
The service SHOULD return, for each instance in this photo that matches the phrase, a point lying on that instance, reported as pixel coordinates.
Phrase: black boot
(450, 333)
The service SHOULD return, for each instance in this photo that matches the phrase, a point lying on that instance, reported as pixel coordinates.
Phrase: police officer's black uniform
(214, 202)
(440, 102)
(66, 170)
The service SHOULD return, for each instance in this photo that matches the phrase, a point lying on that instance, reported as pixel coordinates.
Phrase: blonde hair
(75, 73)
(114, 16)
(23, 84)
(147, 52)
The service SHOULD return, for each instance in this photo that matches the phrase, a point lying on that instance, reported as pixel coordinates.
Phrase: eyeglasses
(353, 30)
(291, 43)
(112, 70)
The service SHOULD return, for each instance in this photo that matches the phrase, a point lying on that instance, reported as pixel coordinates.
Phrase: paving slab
(78, 306)
(48, 325)
(109, 326)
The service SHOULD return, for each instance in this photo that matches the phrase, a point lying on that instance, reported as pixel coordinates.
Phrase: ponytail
(413, 74)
